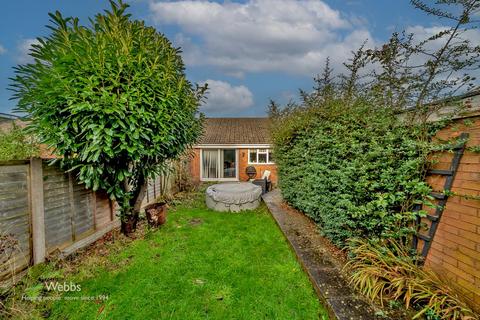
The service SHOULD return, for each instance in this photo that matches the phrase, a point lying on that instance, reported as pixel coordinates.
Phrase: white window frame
(257, 150)
(220, 167)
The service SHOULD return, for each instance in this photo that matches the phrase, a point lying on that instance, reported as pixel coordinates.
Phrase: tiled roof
(6, 124)
(225, 131)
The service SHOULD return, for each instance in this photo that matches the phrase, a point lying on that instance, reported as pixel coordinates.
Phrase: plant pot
(156, 214)
(129, 224)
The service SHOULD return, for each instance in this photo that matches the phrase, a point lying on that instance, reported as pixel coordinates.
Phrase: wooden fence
(44, 211)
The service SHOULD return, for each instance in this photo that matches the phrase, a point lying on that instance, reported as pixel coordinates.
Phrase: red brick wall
(243, 164)
(455, 250)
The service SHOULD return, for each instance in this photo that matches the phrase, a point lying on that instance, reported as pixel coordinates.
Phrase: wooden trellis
(442, 198)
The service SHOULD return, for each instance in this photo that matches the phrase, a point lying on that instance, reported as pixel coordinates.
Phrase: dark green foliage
(355, 170)
(345, 155)
(110, 98)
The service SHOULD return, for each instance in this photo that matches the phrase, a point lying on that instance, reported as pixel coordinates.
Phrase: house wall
(455, 250)
(242, 165)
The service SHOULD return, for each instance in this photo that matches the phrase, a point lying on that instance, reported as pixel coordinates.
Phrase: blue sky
(248, 51)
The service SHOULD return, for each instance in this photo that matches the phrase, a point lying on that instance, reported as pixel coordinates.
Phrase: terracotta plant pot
(156, 214)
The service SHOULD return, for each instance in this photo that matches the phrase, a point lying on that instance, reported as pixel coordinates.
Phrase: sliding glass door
(219, 164)
(210, 164)
(228, 157)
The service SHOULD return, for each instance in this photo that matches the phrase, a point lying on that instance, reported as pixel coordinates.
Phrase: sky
(248, 51)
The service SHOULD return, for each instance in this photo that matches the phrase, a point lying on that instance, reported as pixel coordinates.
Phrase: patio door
(219, 164)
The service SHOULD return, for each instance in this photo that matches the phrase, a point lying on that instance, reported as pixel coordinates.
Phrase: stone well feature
(233, 196)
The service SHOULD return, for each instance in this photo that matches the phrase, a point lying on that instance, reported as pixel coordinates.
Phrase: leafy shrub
(354, 169)
(16, 144)
(387, 271)
(112, 100)
(181, 173)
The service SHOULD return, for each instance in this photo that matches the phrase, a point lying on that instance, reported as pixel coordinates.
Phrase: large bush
(355, 169)
(111, 99)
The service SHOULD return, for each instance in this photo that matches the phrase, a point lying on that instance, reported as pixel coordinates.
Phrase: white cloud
(421, 33)
(2, 49)
(288, 96)
(23, 49)
(222, 97)
(262, 35)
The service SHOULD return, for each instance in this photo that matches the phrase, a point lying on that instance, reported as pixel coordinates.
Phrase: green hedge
(355, 170)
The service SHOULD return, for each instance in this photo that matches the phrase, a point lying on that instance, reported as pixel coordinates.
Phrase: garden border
(331, 287)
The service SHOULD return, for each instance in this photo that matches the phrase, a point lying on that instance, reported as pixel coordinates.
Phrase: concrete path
(333, 290)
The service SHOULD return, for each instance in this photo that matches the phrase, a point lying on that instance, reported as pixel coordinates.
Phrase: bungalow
(228, 146)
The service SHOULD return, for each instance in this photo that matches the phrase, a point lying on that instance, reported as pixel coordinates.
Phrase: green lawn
(201, 265)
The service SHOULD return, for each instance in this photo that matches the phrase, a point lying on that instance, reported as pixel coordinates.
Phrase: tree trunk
(137, 204)
(130, 219)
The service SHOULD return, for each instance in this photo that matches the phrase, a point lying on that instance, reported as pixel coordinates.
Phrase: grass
(200, 265)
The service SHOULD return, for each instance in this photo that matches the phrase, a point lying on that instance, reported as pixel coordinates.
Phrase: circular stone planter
(233, 197)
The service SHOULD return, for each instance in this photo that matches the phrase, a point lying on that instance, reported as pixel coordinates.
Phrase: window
(260, 156)
(218, 164)
(252, 157)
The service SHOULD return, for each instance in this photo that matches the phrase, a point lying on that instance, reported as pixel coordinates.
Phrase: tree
(351, 84)
(415, 72)
(442, 74)
(349, 142)
(324, 87)
(111, 99)
(393, 80)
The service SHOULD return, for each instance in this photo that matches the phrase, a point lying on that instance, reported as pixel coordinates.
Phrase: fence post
(38, 212)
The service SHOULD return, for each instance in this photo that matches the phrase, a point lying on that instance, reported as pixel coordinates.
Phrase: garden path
(317, 260)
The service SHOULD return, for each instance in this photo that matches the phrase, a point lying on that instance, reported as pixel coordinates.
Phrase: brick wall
(242, 165)
(455, 250)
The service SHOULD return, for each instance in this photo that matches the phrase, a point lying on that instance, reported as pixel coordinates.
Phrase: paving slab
(322, 268)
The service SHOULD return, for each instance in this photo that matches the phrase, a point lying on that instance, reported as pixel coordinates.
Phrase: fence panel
(66, 216)
(103, 209)
(157, 187)
(58, 218)
(83, 208)
(14, 217)
(150, 196)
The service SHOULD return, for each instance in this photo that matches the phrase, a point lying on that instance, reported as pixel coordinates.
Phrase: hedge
(355, 170)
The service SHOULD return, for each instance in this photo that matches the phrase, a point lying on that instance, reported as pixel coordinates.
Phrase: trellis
(442, 198)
